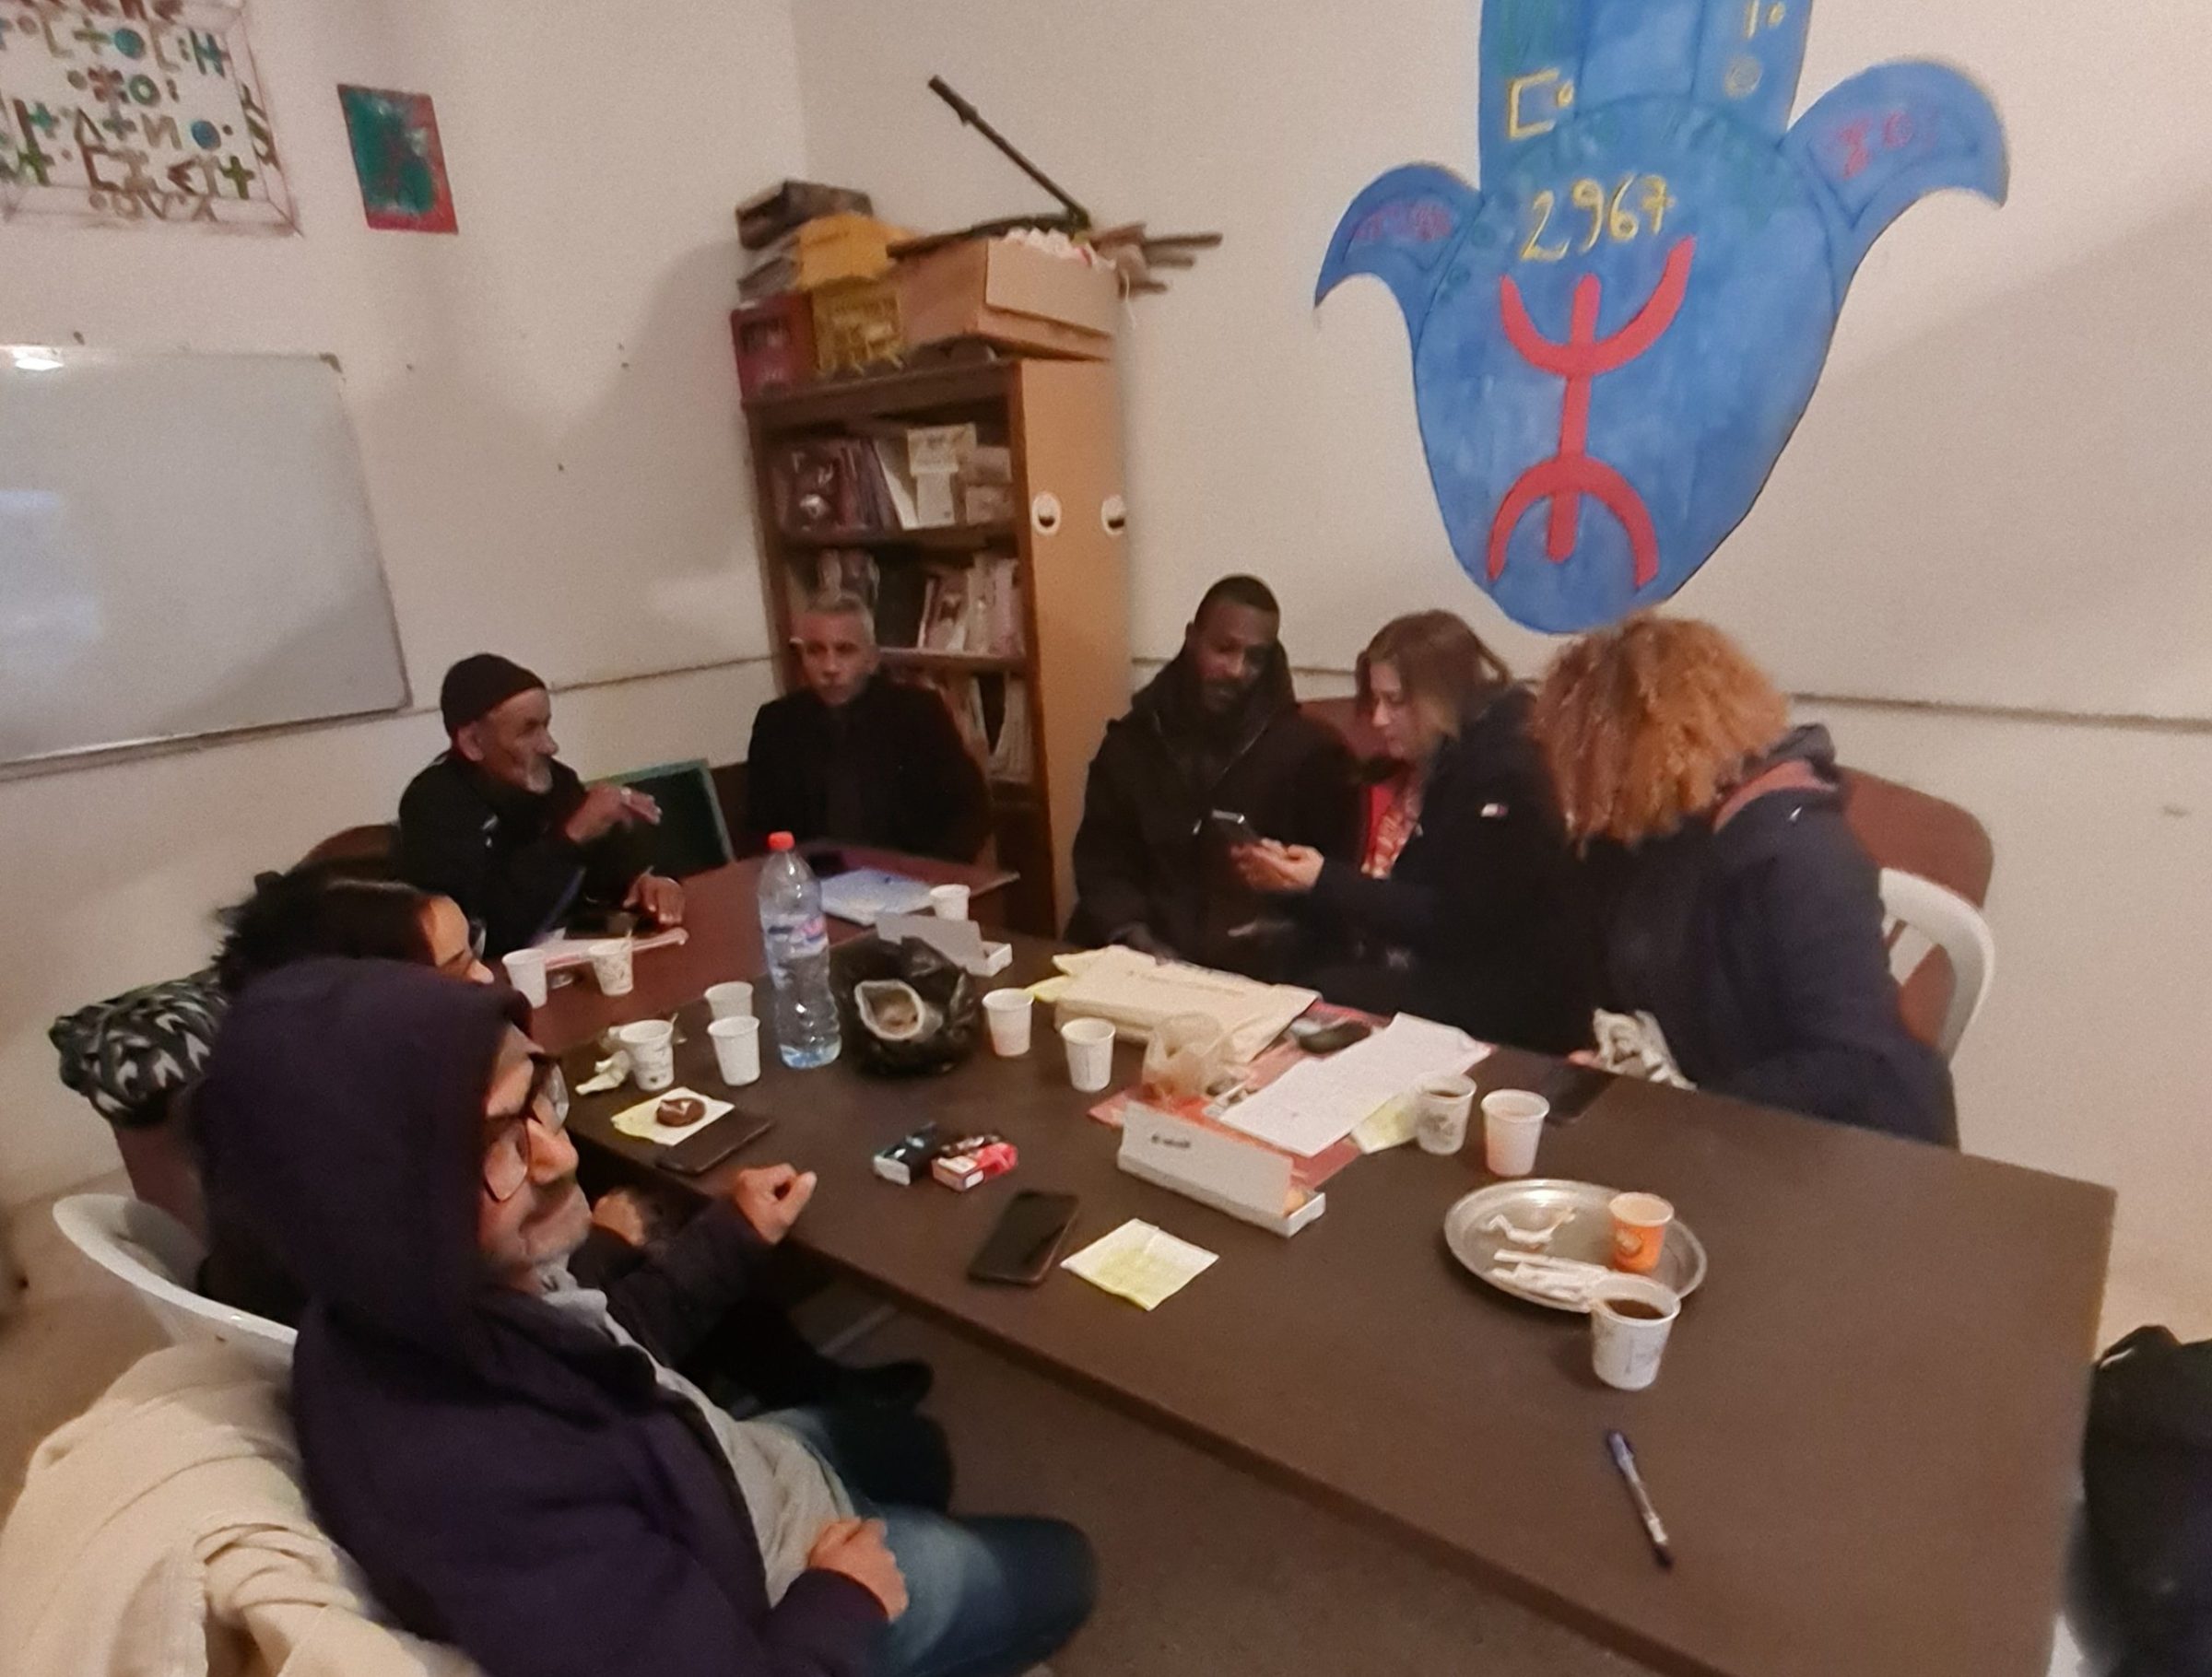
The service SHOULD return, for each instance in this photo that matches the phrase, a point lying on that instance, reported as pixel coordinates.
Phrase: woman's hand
(1277, 869)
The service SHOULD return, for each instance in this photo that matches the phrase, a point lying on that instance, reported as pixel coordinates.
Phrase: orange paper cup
(1640, 1223)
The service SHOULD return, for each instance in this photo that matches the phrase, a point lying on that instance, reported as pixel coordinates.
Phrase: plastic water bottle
(798, 958)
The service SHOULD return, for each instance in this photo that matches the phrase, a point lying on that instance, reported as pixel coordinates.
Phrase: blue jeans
(986, 1597)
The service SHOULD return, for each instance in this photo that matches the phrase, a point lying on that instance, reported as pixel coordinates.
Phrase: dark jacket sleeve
(772, 791)
(1324, 812)
(1112, 859)
(946, 797)
(1488, 875)
(672, 1299)
(1806, 926)
(441, 850)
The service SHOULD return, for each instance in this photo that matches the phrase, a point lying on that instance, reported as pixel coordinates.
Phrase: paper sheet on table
(1391, 1124)
(562, 952)
(1134, 993)
(1141, 1263)
(1312, 1106)
(639, 1121)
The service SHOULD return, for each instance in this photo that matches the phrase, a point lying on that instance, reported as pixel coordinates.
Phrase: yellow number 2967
(1612, 215)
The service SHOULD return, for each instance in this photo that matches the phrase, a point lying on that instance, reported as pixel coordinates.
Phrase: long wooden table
(721, 925)
(1864, 1440)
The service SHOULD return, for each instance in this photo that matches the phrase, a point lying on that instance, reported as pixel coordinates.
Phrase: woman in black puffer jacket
(1466, 906)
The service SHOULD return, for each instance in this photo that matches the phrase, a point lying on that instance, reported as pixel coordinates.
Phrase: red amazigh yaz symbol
(1582, 360)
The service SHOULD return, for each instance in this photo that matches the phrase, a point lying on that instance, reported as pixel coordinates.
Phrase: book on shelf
(890, 477)
(842, 571)
(945, 620)
(992, 715)
(972, 610)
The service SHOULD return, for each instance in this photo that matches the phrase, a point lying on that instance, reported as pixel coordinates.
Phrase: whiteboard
(185, 550)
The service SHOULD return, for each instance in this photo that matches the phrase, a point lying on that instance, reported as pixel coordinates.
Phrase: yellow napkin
(1140, 1263)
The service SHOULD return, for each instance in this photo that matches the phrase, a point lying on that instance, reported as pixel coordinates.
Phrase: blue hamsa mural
(1613, 337)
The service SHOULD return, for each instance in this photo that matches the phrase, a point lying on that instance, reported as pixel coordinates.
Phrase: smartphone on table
(1020, 1250)
(730, 1133)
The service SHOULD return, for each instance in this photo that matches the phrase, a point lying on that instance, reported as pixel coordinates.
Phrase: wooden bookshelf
(1062, 422)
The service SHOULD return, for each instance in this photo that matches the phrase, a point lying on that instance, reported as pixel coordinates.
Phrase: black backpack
(2147, 1469)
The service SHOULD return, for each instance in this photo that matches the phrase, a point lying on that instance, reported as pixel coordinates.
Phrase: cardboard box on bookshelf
(1007, 293)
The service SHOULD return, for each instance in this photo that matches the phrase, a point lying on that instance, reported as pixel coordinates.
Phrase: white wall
(1262, 437)
(548, 414)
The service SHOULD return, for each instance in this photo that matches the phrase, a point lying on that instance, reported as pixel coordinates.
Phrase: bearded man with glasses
(521, 1475)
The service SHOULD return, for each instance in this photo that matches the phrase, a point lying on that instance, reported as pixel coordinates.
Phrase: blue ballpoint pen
(1624, 1460)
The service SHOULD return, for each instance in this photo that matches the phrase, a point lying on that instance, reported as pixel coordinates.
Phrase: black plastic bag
(905, 1009)
(2147, 1473)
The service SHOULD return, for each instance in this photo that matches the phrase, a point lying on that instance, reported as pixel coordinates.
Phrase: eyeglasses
(507, 1156)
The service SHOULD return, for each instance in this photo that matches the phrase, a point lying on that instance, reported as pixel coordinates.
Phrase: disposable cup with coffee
(1513, 1125)
(1632, 1318)
(1089, 1053)
(651, 1045)
(1009, 1013)
(730, 1001)
(1640, 1223)
(526, 971)
(612, 966)
(949, 902)
(1444, 1105)
(737, 1041)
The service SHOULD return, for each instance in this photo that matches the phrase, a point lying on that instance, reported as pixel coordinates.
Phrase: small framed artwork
(398, 159)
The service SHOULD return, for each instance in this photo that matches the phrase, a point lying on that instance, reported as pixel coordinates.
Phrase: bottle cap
(779, 842)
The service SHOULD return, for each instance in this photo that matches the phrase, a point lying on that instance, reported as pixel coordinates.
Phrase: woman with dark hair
(341, 908)
(1465, 907)
(1734, 904)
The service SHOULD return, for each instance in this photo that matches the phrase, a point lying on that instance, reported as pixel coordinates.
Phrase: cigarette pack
(905, 1159)
(977, 1158)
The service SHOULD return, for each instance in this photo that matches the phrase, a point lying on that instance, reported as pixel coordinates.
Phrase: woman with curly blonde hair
(1735, 906)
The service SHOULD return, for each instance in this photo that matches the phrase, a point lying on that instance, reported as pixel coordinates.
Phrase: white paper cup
(1630, 1322)
(651, 1045)
(612, 966)
(949, 902)
(526, 971)
(736, 1041)
(1009, 1013)
(1089, 1053)
(730, 1001)
(1512, 1123)
(1444, 1105)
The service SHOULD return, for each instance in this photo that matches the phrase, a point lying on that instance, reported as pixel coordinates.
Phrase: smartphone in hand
(1233, 828)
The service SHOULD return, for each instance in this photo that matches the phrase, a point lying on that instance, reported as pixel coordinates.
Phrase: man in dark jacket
(517, 1475)
(508, 831)
(1753, 935)
(1218, 731)
(857, 757)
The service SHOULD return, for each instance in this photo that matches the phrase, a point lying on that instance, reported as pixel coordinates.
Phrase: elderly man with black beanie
(508, 831)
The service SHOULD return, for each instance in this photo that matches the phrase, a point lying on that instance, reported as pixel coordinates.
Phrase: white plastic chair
(1925, 916)
(158, 1257)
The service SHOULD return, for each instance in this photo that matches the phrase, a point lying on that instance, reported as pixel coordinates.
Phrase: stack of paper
(1135, 993)
(1318, 1104)
(1140, 1263)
